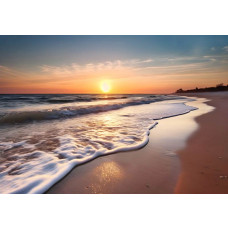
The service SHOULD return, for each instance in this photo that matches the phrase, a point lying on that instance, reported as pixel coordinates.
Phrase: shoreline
(205, 160)
(157, 171)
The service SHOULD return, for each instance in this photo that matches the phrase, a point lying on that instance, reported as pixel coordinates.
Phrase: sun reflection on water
(107, 174)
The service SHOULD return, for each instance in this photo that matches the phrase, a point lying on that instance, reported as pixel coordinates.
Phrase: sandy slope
(166, 164)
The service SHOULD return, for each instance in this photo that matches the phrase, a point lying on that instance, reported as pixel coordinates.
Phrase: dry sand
(167, 164)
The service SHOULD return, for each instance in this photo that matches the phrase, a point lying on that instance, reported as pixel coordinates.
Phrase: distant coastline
(219, 87)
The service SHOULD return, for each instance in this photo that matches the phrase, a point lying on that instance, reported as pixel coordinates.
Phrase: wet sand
(204, 161)
(185, 154)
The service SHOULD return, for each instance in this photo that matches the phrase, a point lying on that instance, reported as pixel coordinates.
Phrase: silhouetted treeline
(219, 87)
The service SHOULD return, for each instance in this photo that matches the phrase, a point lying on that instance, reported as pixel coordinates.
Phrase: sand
(185, 154)
(204, 162)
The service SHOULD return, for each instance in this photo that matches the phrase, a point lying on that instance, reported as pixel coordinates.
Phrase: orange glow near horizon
(120, 81)
(96, 85)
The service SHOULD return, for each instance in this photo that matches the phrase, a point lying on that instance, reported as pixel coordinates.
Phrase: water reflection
(107, 174)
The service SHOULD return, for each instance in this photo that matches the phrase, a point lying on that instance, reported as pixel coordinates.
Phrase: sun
(105, 87)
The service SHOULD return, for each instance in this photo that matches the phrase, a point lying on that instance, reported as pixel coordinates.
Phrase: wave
(57, 99)
(35, 163)
(43, 184)
(71, 111)
(54, 169)
(81, 99)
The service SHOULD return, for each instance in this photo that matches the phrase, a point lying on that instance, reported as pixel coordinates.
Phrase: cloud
(137, 67)
(9, 72)
(4, 69)
(82, 69)
(146, 61)
(94, 68)
(161, 68)
(226, 48)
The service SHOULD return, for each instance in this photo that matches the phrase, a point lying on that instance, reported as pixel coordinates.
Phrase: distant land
(219, 87)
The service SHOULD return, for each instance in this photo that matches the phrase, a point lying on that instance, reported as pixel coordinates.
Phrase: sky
(129, 64)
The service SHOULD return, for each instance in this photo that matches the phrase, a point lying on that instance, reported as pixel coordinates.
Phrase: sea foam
(46, 152)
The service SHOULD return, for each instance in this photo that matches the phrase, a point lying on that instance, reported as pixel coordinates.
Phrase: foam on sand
(35, 163)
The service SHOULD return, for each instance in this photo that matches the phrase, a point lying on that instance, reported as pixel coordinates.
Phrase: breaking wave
(35, 156)
(72, 111)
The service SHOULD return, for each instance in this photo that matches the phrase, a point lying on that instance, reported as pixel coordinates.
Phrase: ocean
(44, 136)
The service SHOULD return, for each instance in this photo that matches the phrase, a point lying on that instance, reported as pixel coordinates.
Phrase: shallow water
(41, 141)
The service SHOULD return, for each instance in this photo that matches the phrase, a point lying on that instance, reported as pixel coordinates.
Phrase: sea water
(42, 137)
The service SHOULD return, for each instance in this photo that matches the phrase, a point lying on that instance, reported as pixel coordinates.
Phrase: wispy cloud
(226, 48)
(132, 65)
(6, 71)
(11, 72)
(146, 61)
(160, 69)
(108, 67)
(76, 68)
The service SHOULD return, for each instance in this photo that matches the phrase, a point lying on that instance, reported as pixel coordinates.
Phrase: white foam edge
(42, 188)
(48, 184)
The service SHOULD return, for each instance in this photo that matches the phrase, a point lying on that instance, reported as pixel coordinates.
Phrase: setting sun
(105, 87)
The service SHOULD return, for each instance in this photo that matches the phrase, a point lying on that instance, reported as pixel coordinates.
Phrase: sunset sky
(129, 64)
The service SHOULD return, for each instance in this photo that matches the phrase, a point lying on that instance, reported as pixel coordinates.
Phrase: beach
(205, 159)
(44, 136)
(113, 143)
(175, 160)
